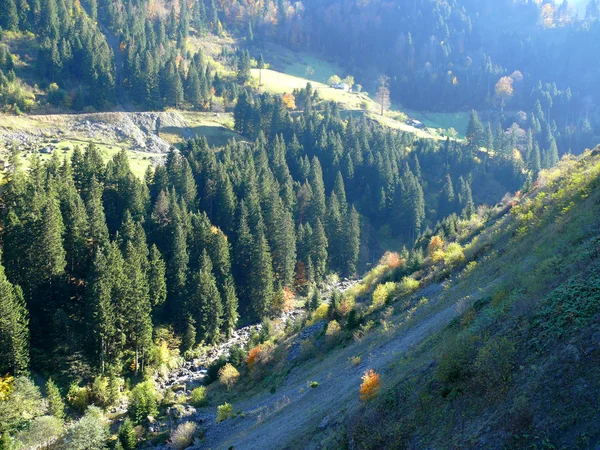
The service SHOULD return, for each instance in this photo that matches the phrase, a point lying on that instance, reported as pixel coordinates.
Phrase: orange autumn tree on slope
(370, 386)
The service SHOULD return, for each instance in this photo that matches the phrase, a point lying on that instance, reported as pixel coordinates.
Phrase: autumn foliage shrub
(253, 355)
(260, 356)
(289, 300)
(228, 376)
(183, 436)
(435, 244)
(289, 101)
(333, 331)
(391, 260)
(454, 254)
(198, 397)
(6, 386)
(370, 385)
(407, 286)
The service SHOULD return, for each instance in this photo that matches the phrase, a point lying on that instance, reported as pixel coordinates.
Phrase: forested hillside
(149, 55)
(250, 251)
(288, 208)
(102, 270)
(71, 54)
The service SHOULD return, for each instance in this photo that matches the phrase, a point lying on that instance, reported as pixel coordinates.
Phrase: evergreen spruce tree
(535, 164)
(189, 337)
(76, 228)
(97, 229)
(552, 153)
(219, 251)
(157, 284)
(282, 238)
(340, 192)
(172, 86)
(318, 251)
(49, 251)
(351, 246)
(335, 233)
(314, 299)
(466, 198)
(261, 289)
(205, 303)
(49, 22)
(243, 67)
(212, 15)
(475, 132)
(14, 328)
(489, 140)
(9, 19)
(105, 296)
(93, 10)
(225, 202)
(261, 66)
(193, 89)
(318, 191)
(177, 272)
(230, 307)
(136, 310)
(56, 405)
(244, 255)
(126, 435)
(529, 148)
(447, 199)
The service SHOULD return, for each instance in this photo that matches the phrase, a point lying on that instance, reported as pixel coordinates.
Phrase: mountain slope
(502, 353)
(520, 367)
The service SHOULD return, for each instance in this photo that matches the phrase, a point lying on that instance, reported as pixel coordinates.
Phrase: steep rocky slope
(498, 350)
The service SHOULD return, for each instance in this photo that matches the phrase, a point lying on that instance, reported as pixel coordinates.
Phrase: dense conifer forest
(111, 281)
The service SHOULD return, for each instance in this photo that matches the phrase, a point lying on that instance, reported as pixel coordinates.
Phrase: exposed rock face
(138, 131)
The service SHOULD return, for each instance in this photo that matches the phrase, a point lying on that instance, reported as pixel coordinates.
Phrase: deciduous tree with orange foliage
(391, 260)
(370, 385)
(435, 244)
(253, 355)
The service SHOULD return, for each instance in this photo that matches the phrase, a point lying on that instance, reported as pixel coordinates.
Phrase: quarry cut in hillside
(134, 131)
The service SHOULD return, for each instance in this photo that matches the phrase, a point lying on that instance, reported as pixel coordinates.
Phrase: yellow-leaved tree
(289, 101)
(228, 376)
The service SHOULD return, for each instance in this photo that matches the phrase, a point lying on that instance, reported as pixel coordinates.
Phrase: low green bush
(198, 397)
(224, 412)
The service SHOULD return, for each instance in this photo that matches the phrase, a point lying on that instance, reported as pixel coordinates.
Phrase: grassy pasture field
(139, 161)
(355, 104)
(294, 63)
(456, 120)
(287, 71)
(280, 83)
(216, 127)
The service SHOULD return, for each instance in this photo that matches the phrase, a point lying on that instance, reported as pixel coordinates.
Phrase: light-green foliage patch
(382, 294)
(224, 412)
(198, 397)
